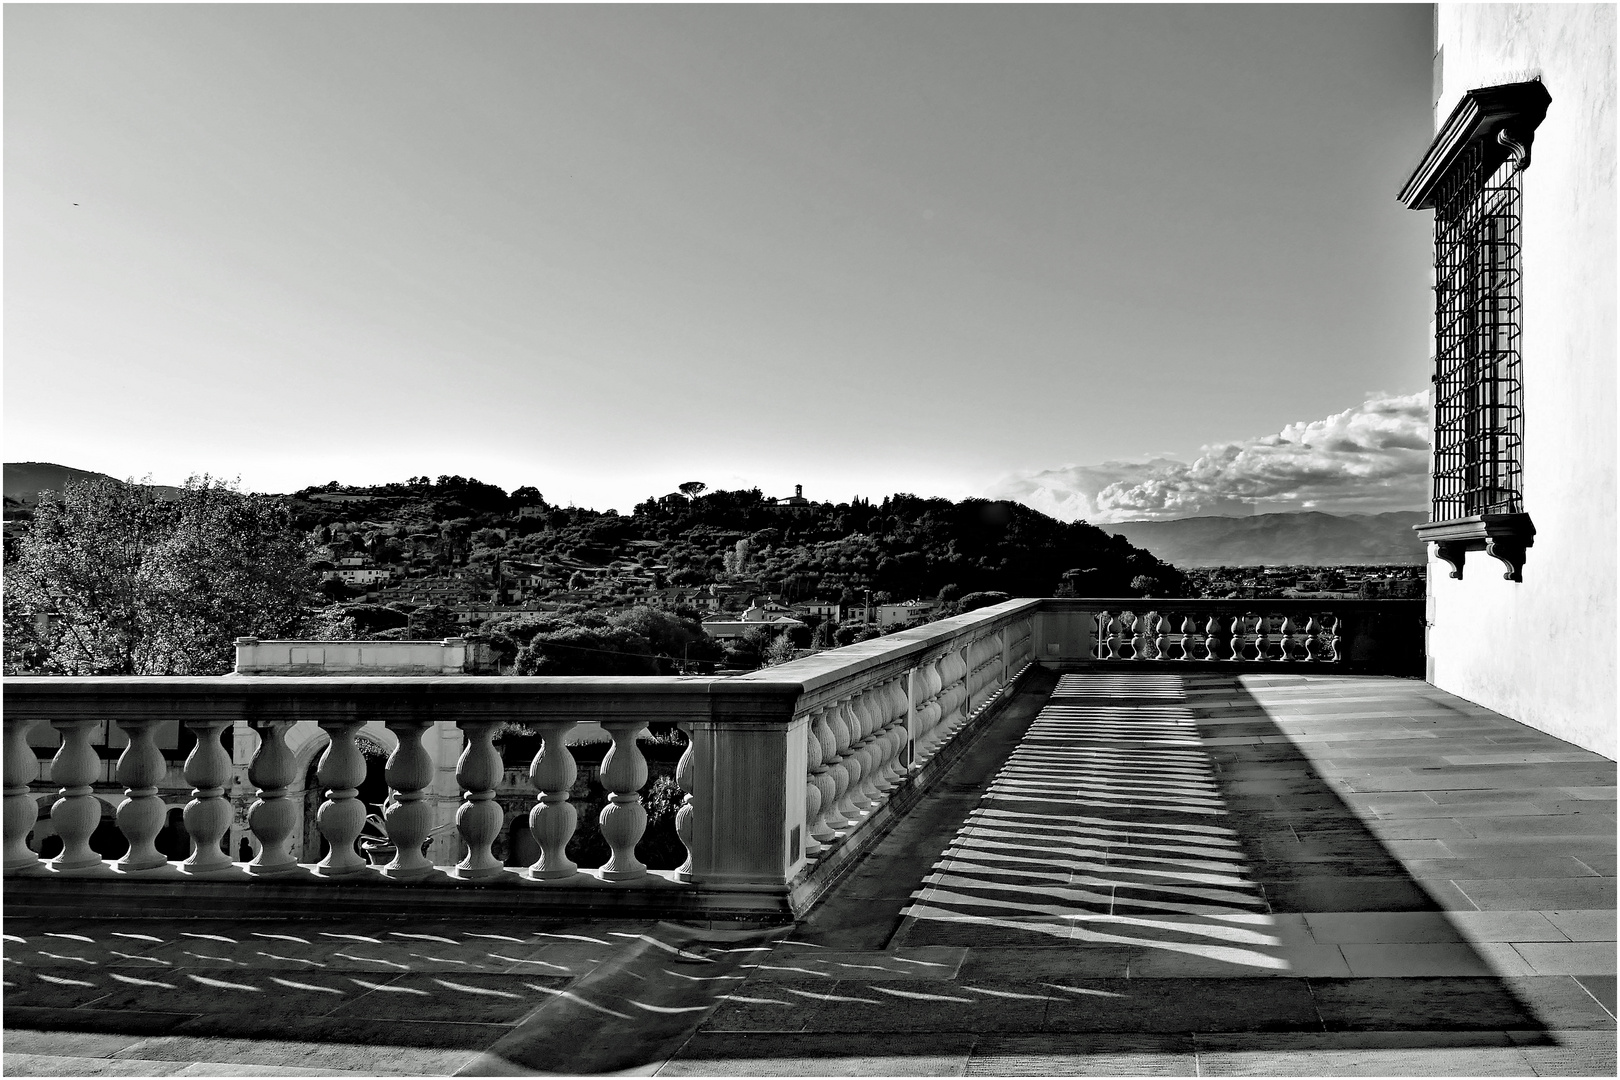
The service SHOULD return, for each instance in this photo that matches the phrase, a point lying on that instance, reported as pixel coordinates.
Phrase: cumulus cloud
(1368, 459)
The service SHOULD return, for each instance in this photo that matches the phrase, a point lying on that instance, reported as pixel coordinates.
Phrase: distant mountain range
(24, 480)
(1308, 539)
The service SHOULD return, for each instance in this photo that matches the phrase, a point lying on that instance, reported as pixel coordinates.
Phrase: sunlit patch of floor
(1103, 828)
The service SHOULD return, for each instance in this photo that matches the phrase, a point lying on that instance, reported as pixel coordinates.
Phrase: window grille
(1478, 399)
(1469, 176)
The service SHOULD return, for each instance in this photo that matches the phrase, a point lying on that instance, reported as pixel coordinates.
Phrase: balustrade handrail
(783, 766)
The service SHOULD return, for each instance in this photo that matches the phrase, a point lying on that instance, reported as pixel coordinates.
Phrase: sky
(1118, 262)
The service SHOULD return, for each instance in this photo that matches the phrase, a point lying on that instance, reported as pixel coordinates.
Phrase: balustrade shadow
(1131, 839)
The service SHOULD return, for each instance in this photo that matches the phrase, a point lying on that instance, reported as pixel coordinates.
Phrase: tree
(144, 586)
(693, 488)
(779, 651)
(577, 650)
(1145, 585)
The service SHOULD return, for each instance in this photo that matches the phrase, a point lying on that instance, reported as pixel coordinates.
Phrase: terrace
(1054, 835)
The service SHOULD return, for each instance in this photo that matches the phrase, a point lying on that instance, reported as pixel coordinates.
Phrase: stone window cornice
(1502, 119)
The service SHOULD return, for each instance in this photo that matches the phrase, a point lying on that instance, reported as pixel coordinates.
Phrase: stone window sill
(1504, 537)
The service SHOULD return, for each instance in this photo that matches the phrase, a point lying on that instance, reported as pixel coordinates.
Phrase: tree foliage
(111, 579)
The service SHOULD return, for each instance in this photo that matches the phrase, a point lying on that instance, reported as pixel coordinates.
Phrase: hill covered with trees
(167, 583)
(905, 546)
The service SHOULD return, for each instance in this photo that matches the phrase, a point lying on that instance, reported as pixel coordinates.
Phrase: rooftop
(1126, 871)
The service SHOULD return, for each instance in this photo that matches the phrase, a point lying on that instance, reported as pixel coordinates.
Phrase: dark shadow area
(1145, 846)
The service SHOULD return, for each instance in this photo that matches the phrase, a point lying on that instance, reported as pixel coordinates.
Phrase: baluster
(1334, 627)
(844, 814)
(1189, 633)
(341, 816)
(890, 745)
(1237, 638)
(1161, 643)
(408, 813)
(956, 702)
(208, 814)
(855, 800)
(1262, 638)
(479, 817)
(553, 819)
(624, 772)
(1099, 643)
(140, 815)
(877, 746)
(1287, 632)
(899, 705)
(685, 779)
(813, 847)
(76, 812)
(273, 817)
(21, 766)
(927, 684)
(823, 777)
(1313, 649)
(1212, 638)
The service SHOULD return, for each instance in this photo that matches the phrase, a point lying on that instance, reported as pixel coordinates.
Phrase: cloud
(1368, 459)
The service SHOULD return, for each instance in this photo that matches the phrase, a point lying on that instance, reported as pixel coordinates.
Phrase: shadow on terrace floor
(1172, 868)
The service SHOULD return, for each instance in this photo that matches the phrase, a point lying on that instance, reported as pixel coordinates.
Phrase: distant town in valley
(730, 580)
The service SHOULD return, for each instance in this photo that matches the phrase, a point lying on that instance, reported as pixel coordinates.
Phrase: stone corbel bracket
(1504, 537)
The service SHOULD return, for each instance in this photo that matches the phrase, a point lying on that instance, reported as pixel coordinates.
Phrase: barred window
(1470, 177)
(1478, 401)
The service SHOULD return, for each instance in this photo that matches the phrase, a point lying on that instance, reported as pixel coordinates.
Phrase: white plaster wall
(1543, 651)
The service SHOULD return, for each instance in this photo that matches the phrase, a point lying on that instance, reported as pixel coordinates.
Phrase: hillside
(1308, 539)
(905, 547)
(24, 480)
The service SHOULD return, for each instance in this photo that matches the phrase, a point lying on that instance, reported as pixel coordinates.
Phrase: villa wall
(1543, 651)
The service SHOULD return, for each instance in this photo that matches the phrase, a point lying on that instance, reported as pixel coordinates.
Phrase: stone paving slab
(844, 1054)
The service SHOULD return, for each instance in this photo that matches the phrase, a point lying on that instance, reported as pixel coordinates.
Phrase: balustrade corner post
(22, 812)
(76, 811)
(408, 814)
(342, 816)
(553, 819)
(478, 820)
(750, 761)
(623, 819)
(208, 815)
(141, 815)
(273, 817)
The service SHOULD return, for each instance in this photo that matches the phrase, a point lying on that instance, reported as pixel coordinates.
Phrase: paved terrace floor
(1128, 874)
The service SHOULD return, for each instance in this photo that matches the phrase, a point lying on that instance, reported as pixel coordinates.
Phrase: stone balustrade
(1372, 636)
(784, 769)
